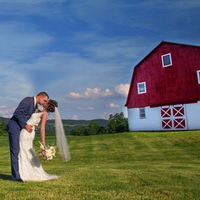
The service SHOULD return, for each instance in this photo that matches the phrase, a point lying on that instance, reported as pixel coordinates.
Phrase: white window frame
(198, 76)
(170, 57)
(142, 113)
(145, 90)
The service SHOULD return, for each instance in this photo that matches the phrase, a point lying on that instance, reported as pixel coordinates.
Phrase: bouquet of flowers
(47, 152)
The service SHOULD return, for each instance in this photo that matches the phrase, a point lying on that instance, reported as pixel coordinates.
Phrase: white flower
(42, 147)
(47, 152)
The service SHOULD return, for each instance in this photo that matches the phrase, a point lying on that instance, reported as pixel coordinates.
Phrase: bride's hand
(28, 128)
(43, 143)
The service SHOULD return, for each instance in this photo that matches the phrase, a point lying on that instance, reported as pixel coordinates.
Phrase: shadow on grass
(5, 177)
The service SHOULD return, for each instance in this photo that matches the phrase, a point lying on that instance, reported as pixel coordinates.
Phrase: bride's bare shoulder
(45, 113)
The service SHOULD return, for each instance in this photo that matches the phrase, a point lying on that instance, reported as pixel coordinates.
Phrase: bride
(30, 168)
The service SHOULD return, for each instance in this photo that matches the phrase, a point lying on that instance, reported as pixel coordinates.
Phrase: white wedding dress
(30, 167)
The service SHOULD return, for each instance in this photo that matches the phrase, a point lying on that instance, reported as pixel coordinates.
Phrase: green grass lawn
(150, 165)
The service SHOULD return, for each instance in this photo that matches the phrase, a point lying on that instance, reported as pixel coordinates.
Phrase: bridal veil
(61, 137)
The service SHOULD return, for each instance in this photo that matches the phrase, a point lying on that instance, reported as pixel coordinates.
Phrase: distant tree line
(117, 123)
(2, 128)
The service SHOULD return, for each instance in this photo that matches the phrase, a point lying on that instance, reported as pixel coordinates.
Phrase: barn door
(173, 117)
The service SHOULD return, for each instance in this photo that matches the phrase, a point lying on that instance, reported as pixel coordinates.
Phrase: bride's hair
(51, 105)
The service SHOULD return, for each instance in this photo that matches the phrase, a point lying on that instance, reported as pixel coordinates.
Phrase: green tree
(81, 131)
(103, 130)
(73, 132)
(93, 128)
(117, 123)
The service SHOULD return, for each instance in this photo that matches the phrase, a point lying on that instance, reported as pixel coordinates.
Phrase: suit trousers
(14, 152)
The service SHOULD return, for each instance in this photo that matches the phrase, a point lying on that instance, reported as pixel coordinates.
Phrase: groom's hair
(43, 94)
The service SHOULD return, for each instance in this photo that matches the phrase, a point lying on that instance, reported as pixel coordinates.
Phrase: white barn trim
(153, 119)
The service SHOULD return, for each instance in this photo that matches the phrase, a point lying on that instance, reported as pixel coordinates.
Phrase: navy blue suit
(18, 121)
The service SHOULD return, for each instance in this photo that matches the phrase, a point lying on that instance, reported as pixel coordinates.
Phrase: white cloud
(75, 117)
(91, 94)
(95, 93)
(79, 108)
(113, 105)
(122, 89)
(90, 108)
(74, 95)
(2, 106)
(6, 111)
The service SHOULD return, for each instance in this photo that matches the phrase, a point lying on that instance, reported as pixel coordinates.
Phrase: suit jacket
(21, 115)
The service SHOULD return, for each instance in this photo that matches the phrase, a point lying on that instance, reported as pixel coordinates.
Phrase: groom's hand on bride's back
(28, 128)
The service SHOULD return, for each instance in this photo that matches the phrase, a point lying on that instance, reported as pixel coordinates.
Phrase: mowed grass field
(134, 165)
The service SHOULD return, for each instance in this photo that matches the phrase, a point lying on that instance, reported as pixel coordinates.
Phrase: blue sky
(82, 52)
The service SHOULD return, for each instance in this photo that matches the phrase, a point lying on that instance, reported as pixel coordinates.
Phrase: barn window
(166, 60)
(142, 113)
(141, 87)
(198, 76)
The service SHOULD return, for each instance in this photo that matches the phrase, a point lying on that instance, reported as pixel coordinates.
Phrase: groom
(18, 121)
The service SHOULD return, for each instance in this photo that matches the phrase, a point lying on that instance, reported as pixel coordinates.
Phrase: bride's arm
(42, 129)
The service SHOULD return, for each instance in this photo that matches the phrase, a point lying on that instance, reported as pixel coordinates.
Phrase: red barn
(165, 89)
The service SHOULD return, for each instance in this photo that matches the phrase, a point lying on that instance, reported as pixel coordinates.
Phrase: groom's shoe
(19, 180)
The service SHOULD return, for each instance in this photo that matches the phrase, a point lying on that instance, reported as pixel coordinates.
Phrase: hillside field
(124, 166)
